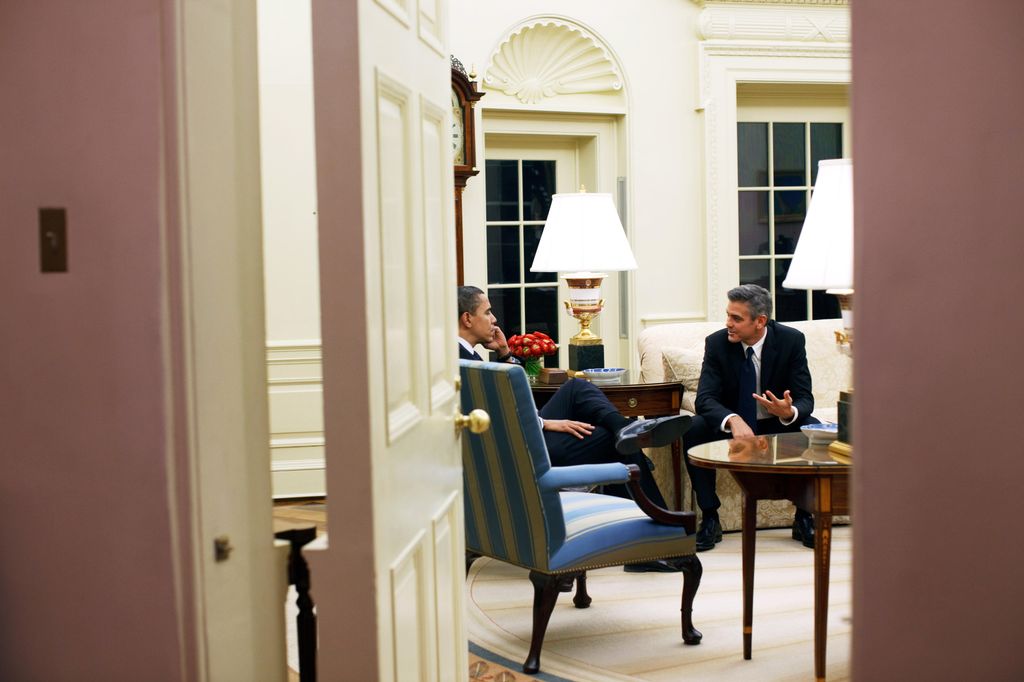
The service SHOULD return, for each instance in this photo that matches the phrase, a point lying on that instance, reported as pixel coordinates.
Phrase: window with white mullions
(777, 168)
(519, 193)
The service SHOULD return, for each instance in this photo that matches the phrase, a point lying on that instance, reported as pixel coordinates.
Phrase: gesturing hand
(781, 408)
(578, 429)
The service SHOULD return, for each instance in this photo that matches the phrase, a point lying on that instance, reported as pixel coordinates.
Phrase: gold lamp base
(586, 349)
(585, 315)
(841, 452)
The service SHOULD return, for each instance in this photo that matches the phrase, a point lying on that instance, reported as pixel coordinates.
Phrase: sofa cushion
(683, 364)
(831, 371)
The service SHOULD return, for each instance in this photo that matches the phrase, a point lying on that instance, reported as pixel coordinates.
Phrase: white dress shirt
(762, 413)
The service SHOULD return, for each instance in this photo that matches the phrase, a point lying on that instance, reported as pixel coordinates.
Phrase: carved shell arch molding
(547, 57)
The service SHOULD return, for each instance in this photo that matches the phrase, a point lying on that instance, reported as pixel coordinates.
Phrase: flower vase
(532, 367)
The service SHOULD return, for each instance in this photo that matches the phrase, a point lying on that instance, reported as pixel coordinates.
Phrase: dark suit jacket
(783, 367)
(466, 355)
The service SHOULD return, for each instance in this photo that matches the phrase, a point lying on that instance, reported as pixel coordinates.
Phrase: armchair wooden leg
(545, 594)
(692, 571)
(581, 599)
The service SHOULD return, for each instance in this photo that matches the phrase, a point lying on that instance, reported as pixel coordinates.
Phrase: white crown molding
(545, 57)
(813, 50)
(801, 23)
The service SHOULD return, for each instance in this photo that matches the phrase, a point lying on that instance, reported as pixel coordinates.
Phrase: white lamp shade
(824, 253)
(583, 234)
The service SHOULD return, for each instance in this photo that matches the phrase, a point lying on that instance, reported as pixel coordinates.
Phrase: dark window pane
(826, 143)
(531, 238)
(790, 211)
(824, 306)
(755, 272)
(753, 211)
(502, 190)
(506, 307)
(503, 254)
(789, 154)
(752, 153)
(542, 315)
(538, 186)
(790, 304)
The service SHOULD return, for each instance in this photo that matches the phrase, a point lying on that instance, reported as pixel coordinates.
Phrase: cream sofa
(674, 352)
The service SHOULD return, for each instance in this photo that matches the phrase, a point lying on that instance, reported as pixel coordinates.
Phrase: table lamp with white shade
(583, 238)
(824, 260)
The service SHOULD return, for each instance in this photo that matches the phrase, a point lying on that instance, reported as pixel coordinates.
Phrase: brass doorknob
(477, 421)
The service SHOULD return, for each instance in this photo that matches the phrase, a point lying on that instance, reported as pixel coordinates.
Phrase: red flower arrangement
(530, 348)
(532, 345)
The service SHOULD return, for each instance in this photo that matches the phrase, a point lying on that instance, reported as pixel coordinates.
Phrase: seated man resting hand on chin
(580, 424)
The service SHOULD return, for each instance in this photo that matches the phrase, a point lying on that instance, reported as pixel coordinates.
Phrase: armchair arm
(583, 474)
(687, 519)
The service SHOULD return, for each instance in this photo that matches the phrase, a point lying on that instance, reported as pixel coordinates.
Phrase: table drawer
(632, 400)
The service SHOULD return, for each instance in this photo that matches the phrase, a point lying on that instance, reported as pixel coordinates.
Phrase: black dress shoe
(657, 566)
(709, 535)
(651, 433)
(803, 528)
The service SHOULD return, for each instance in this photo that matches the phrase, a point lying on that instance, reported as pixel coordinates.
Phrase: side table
(784, 467)
(638, 400)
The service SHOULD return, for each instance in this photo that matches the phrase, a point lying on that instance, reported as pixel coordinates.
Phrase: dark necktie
(747, 406)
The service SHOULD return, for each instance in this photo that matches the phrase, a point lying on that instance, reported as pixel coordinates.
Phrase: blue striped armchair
(518, 511)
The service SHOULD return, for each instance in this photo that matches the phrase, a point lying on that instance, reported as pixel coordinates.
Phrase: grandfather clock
(464, 97)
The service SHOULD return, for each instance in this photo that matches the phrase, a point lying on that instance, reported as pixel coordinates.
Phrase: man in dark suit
(478, 325)
(754, 380)
(580, 424)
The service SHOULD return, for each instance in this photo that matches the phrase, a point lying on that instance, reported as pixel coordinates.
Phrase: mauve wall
(85, 565)
(939, 166)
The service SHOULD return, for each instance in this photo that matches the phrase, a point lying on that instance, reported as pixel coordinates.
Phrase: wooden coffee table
(784, 467)
(638, 400)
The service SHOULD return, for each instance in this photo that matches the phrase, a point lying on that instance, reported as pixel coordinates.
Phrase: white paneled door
(399, 399)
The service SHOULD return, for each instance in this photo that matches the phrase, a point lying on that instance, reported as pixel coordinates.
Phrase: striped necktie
(747, 406)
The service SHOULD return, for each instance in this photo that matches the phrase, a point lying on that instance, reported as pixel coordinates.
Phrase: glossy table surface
(786, 452)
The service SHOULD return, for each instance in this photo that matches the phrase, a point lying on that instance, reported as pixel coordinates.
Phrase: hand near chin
(498, 344)
(777, 407)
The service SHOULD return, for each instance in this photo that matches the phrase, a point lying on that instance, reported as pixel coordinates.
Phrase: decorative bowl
(820, 433)
(604, 375)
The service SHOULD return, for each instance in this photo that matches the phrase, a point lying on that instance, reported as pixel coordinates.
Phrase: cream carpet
(632, 631)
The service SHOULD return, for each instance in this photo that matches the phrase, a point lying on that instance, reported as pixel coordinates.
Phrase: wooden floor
(300, 514)
(305, 513)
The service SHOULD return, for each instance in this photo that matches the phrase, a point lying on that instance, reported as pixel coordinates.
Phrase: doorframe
(214, 331)
(723, 65)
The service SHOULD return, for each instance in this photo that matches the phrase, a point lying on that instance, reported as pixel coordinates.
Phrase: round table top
(785, 452)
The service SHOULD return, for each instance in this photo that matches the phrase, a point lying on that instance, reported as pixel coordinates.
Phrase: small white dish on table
(820, 434)
(604, 375)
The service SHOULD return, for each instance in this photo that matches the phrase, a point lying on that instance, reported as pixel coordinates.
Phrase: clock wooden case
(464, 98)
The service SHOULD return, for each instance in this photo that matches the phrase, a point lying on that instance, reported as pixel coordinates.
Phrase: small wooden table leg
(749, 539)
(822, 558)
